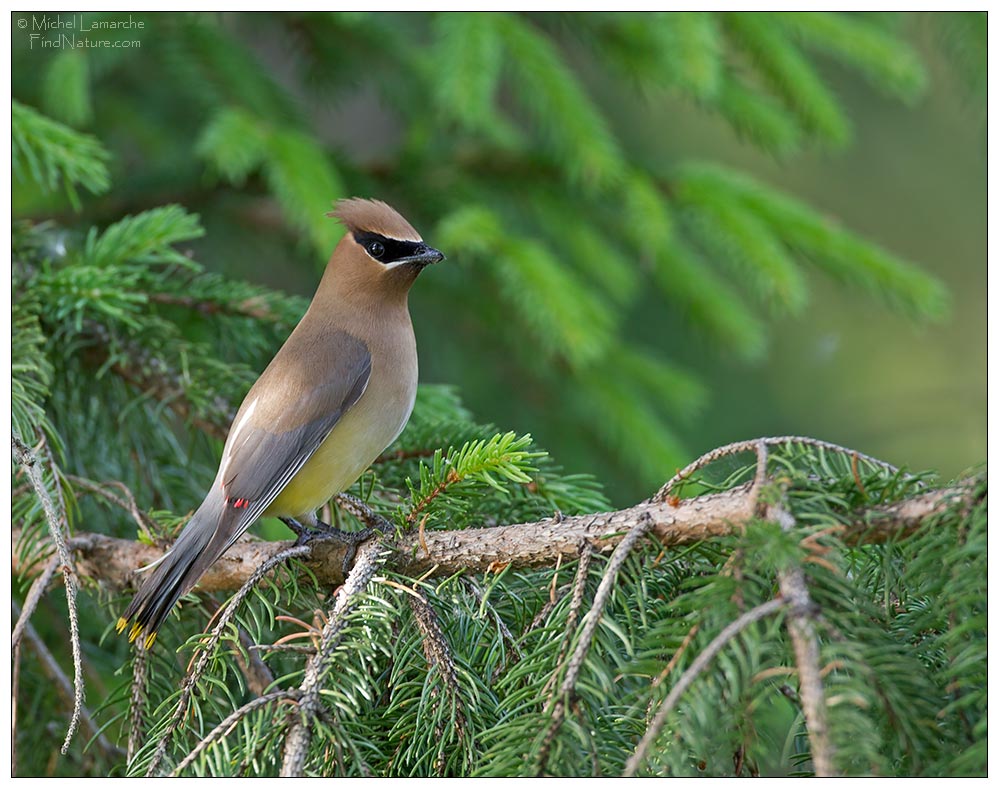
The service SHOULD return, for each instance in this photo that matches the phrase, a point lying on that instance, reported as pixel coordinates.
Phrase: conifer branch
(256, 673)
(544, 611)
(65, 688)
(439, 655)
(31, 600)
(800, 625)
(363, 513)
(687, 678)
(137, 698)
(575, 606)
(508, 639)
(113, 561)
(230, 722)
(119, 336)
(56, 519)
(305, 649)
(753, 445)
(128, 503)
(153, 378)
(253, 307)
(207, 648)
(567, 691)
(296, 749)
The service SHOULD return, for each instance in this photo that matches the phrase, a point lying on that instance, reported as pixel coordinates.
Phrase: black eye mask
(388, 250)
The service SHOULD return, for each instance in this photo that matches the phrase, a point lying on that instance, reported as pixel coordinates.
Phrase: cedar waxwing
(338, 392)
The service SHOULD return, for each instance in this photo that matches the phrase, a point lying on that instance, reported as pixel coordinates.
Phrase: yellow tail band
(134, 632)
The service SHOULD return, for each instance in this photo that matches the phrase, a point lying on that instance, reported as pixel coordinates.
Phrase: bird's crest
(373, 216)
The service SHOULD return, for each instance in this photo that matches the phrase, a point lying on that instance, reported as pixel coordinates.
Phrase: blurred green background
(540, 151)
(913, 181)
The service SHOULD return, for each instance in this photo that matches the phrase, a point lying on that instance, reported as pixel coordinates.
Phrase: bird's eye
(376, 249)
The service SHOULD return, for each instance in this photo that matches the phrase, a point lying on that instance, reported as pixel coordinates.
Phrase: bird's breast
(360, 436)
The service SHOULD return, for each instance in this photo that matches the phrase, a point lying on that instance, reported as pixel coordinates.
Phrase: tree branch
(296, 746)
(113, 561)
(137, 369)
(687, 678)
(56, 518)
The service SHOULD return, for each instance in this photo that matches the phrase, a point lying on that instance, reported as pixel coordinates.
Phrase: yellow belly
(360, 436)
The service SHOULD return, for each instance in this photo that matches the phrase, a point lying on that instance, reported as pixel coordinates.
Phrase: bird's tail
(203, 540)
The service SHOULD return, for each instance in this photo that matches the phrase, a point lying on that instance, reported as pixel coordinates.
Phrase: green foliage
(734, 235)
(759, 118)
(502, 139)
(66, 88)
(296, 168)
(786, 71)
(466, 62)
(503, 457)
(763, 226)
(934, 593)
(568, 319)
(889, 63)
(964, 37)
(53, 155)
(31, 372)
(709, 300)
(146, 238)
(573, 129)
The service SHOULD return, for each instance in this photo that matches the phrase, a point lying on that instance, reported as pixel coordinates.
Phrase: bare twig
(801, 627)
(31, 600)
(545, 610)
(306, 649)
(56, 520)
(752, 446)
(364, 513)
(687, 678)
(65, 688)
(760, 477)
(230, 722)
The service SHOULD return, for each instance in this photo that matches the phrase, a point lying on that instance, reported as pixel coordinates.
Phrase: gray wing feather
(283, 436)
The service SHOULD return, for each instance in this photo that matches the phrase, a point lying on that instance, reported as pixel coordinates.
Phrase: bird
(336, 394)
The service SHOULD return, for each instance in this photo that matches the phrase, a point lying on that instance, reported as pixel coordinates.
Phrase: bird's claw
(323, 532)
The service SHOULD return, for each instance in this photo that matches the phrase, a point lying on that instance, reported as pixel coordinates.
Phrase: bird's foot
(323, 532)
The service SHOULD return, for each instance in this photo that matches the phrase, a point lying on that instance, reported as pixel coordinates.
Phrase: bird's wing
(285, 417)
(315, 378)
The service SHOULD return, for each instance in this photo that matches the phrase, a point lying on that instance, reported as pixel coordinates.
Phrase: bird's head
(381, 251)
